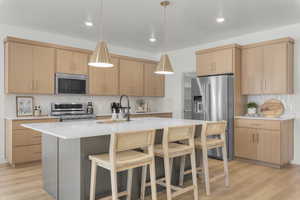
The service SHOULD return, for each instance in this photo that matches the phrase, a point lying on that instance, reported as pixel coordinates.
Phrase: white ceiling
(129, 23)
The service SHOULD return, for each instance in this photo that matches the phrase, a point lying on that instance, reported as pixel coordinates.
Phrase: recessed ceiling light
(89, 24)
(152, 39)
(220, 19)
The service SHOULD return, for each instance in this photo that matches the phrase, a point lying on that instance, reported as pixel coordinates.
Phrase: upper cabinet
(154, 84)
(131, 77)
(71, 62)
(29, 69)
(214, 61)
(267, 67)
(104, 81)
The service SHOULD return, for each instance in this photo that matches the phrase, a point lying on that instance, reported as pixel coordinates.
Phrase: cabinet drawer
(16, 124)
(260, 124)
(27, 154)
(26, 137)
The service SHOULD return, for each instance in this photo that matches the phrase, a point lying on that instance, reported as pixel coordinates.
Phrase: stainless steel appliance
(71, 84)
(71, 111)
(213, 100)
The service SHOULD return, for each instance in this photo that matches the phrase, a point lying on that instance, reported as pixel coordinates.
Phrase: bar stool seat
(174, 150)
(125, 159)
(211, 143)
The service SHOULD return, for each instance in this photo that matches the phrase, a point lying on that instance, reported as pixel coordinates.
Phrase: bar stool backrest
(213, 129)
(180, 133)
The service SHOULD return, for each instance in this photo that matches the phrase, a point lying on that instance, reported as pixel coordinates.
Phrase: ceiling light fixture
(88, 24)
(101, 56)
(152, 39)
(164, 66)
(220, 20)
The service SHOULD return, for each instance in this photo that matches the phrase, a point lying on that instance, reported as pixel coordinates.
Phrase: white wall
(184, 60)
(102, 104)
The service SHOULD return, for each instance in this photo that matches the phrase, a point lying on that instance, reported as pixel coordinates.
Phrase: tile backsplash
(101, 103)
(287, 100)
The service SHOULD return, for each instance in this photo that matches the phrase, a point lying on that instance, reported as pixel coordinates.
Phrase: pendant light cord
(164, 29)
(101, 22)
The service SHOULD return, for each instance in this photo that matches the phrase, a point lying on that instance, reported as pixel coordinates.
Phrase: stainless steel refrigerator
(212, 100)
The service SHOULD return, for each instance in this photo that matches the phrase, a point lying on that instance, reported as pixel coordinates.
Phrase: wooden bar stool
(121, 157)
(168, 150)
(213, 136)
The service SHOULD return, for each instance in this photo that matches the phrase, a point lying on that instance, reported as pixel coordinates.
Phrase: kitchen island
(67, 145)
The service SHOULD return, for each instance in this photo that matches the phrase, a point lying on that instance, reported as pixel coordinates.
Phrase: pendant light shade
(101, 56)
(164, 66)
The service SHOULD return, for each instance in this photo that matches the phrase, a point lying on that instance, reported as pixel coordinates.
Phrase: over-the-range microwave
(71, 84)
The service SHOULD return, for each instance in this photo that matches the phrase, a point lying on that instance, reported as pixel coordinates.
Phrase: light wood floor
(248, 182)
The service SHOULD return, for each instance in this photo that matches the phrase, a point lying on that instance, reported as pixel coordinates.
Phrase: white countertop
(57, 117)
(90, 128)
(281, 118)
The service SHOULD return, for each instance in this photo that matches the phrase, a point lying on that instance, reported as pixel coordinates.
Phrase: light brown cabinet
(23, 145)
(29, 69)
(104, 81)
(265, 141)
(215, 61)
(154, 84)
(131, 77)
(71, 62)
(267, 68)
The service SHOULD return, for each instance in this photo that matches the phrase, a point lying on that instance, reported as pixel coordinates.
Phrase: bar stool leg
(114, 184)
(168, 177)
(129, 183)
(206, 172)
(153, 180)
(93, 180)
(194, 174)
(143, 182)
(182, 166)
(225, 162)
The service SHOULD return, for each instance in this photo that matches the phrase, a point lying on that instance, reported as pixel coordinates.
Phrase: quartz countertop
(281, 118)
(90, 128)
(57, 117)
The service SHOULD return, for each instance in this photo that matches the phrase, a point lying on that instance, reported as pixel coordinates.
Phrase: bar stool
(213, 136)
(121, 157)
(168, 150)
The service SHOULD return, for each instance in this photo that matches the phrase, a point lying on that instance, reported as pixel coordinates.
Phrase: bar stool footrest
(120, 194)
(183, 190)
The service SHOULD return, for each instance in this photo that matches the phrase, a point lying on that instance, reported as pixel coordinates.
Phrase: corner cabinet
(154, 84)
(104, 81)
(264, 141)
(71, 62)
(29, 69)
(267, 67)
(131, 77)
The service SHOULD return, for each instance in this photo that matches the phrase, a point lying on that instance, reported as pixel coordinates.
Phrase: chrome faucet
(128, 106)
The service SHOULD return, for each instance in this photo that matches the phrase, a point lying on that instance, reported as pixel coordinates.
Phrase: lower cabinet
(264, 140)
(23, 145)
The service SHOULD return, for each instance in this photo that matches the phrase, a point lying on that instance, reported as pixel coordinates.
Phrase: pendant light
(101, 56)
(164, 66)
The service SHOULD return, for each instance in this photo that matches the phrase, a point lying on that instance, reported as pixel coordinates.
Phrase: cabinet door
(252, 70)
(268, 146)
(104, 81)
(70, 62)
(205, 64)
(18, 68)
(223, 61)
(43, 70)
(131, 77)
(154, 84)
(244, 143)
(275, 69)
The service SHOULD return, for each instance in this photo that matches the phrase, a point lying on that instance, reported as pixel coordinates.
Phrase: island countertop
(90, 128)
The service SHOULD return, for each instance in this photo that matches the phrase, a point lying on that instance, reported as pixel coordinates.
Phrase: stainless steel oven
(71, 84)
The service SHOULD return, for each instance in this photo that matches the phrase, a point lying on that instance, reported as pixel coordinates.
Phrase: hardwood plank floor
(247, 182)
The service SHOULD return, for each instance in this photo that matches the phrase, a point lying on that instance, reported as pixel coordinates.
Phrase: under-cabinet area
(266, 141)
